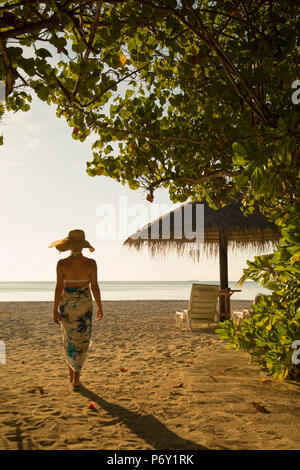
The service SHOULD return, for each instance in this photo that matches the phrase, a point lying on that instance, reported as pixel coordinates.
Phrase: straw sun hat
(74, 241)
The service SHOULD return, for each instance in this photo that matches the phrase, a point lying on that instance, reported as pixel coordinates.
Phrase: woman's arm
(58, 291)
(96, 290)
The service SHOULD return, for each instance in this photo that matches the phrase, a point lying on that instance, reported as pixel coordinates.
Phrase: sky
(45, 192)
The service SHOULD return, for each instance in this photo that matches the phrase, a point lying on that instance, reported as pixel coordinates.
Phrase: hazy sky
(45, 192)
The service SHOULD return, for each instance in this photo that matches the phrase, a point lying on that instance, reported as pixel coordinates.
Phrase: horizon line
(120, 280)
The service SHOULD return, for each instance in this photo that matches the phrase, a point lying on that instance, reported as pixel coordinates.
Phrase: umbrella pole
(223, 262)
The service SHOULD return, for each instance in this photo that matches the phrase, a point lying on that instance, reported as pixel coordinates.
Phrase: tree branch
(227, 63)
(30, 27)
(95, 126)
(215, 174)
(194, 181)
(117, 83)
(9, 71)
(90, 44)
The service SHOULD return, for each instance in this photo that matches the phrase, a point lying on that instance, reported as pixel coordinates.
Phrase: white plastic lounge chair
(203, 306)
(239, 316)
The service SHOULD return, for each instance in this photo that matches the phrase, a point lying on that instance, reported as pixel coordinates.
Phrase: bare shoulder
(60, 263)
(92, 263)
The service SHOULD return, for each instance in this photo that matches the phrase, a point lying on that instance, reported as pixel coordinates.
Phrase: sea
(123, 290)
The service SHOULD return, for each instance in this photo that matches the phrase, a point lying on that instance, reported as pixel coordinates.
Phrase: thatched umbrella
(196, 225)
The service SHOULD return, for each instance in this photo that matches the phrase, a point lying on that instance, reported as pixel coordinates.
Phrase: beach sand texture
(154, 386)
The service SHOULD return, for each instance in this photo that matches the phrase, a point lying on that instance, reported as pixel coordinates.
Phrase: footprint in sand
(55, 413)
(46, 442)
(10, 422)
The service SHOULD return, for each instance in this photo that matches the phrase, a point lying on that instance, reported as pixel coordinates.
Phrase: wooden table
(227, 293)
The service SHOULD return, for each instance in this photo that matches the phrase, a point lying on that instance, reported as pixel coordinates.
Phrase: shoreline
(154, 386)
(121, 300)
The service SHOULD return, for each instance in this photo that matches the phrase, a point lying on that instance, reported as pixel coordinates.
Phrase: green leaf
(42, 92)
(42, 52)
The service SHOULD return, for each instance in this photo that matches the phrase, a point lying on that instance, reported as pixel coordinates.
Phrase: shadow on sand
(18, 438)
(148, 428)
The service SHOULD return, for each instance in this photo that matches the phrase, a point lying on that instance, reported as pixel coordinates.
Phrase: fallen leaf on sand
(179, 385)
(40, 389)
(220, 372)
(209, 343)
(122, 369)
(212, 378)
(121, 345)
(259, 407)
(190, 362)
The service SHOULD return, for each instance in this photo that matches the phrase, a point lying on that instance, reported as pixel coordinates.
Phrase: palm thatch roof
(241, 232)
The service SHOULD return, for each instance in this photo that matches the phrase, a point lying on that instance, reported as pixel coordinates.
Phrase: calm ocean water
(122, 290)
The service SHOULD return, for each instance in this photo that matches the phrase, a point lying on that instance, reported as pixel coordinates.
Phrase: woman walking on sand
(73, 305)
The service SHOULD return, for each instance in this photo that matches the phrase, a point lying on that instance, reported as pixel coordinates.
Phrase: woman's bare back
(77, 268)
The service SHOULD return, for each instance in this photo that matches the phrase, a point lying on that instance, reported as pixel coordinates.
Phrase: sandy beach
(153, 385)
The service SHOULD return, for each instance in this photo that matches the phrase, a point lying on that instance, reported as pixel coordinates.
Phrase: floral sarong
(75, 312)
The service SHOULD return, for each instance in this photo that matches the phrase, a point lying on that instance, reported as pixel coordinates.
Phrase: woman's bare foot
(77, 387)
(71, 374)
(76, 383)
